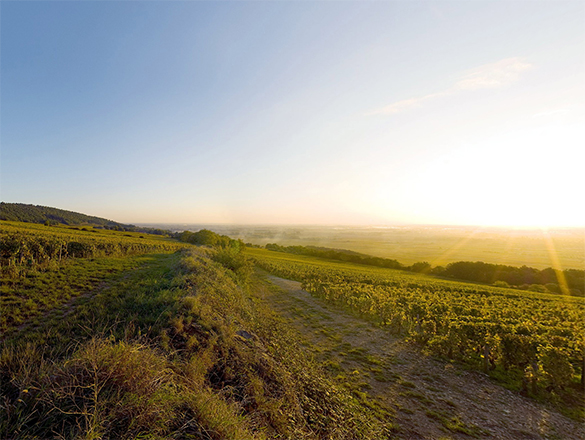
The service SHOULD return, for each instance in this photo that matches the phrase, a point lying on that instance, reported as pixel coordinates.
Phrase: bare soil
(429, 399)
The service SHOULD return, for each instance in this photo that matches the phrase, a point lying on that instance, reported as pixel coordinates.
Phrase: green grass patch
(33, 295)
(455, 424)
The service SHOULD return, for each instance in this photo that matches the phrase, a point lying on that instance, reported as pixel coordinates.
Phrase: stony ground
(429, 399)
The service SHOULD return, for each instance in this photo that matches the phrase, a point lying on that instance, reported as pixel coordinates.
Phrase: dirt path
(430, 399)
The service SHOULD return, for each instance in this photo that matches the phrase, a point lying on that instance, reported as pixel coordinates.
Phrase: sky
(357, 113)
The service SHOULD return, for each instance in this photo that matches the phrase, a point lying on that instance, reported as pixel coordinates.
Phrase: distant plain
(439, 245)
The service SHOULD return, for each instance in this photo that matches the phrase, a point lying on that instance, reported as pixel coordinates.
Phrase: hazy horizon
(347, 113)
(439, 245)
(535, 229)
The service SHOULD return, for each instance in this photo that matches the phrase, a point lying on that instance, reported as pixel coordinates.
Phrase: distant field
(437, 245)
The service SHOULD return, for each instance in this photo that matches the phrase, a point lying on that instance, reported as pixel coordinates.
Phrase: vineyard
(24, 245)
(532, 341)
(43, 266)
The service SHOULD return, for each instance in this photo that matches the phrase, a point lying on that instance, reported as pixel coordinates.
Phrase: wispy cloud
(493, 75)
(406, 104)
(551, 113)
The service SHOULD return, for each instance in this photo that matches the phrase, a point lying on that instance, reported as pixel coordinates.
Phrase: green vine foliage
(527, 336)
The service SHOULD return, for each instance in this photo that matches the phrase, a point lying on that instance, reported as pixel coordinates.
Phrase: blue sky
(296, 112)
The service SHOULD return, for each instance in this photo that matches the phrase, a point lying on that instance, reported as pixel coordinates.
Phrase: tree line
(205, 237)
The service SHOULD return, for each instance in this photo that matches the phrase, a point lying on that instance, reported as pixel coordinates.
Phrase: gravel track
(430, 399)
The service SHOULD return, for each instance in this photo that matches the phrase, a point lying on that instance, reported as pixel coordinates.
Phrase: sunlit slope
(289, 266)
(526, 337)
(21, 239)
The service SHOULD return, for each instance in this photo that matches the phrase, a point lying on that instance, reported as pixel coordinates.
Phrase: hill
(20, 212)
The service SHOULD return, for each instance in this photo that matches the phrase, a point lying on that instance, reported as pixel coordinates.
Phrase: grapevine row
(535, 339)
(22, 247)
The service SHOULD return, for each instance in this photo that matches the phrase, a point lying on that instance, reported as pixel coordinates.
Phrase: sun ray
(503, 257)
(556, 264)
(443, 258)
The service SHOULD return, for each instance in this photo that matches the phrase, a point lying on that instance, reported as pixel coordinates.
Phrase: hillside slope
(20, 212)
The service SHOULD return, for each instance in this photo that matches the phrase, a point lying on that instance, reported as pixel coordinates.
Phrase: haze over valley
(439, 245)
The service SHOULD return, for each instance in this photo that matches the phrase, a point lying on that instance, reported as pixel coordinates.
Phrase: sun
(526, 179)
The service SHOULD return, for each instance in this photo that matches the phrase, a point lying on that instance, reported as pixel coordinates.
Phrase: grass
(406, 384)
(455, 424)
(158, 353)
(42, 267)
(39, 292)
(420, 397)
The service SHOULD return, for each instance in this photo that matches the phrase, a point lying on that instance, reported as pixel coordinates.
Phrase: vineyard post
(534, 379)
(486, 355)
